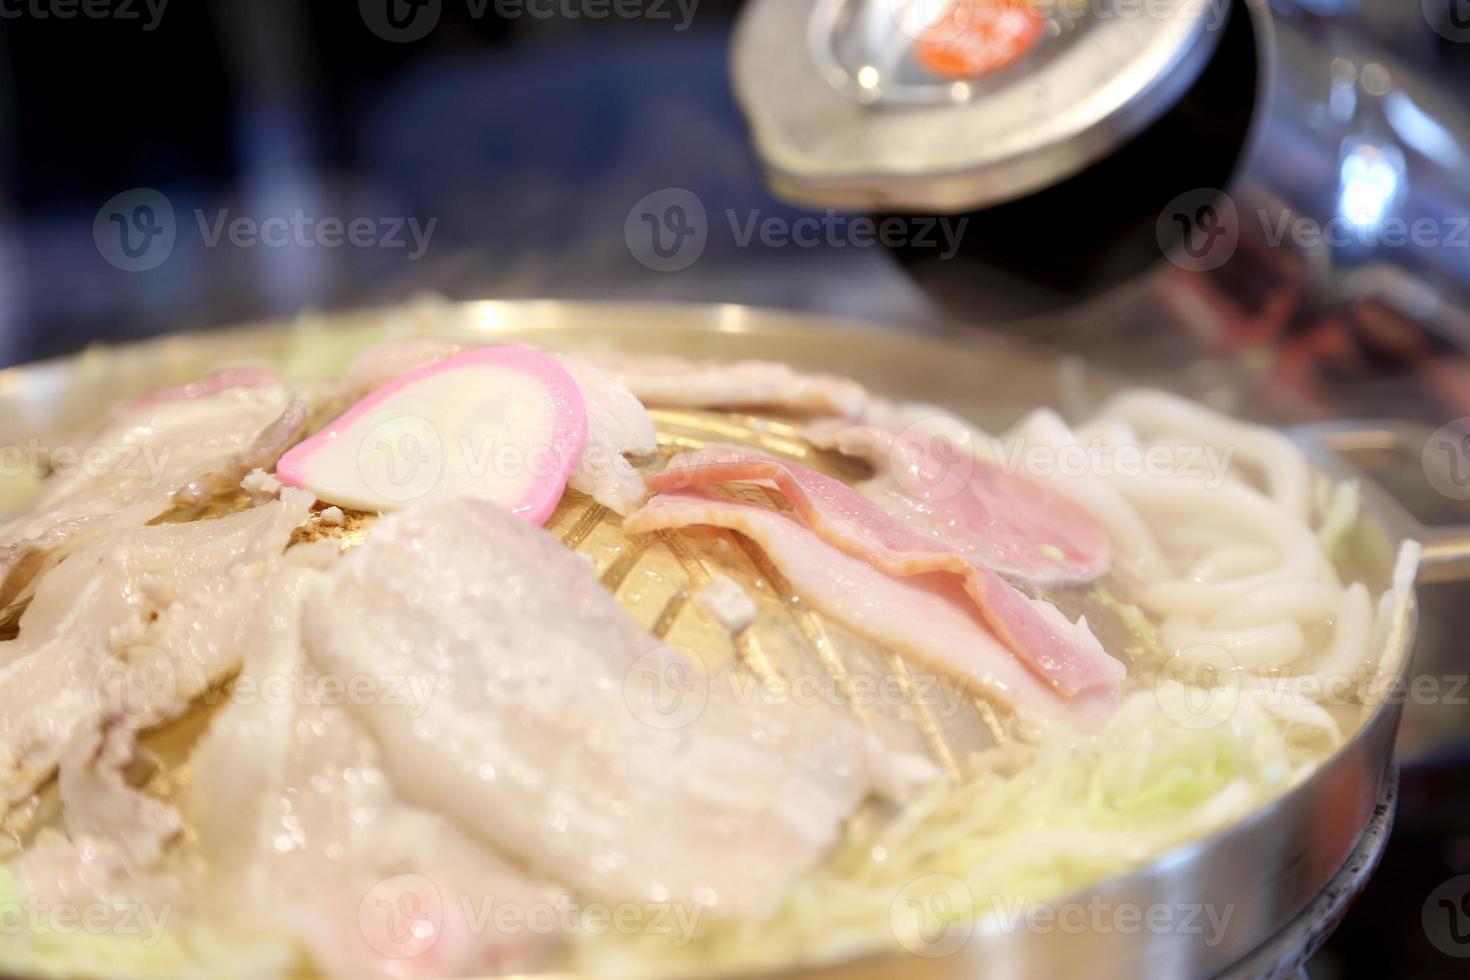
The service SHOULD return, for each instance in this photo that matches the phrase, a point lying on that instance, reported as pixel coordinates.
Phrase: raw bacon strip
(179, 445)
(1066, 657)
(925, 617)
(1019, 528)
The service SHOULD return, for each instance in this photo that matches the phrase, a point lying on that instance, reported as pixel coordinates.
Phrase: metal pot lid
(952, 105)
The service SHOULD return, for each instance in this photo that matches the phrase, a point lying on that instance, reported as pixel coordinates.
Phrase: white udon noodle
(1226, 563)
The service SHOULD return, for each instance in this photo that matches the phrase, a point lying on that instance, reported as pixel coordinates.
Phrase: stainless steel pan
(1264, 870)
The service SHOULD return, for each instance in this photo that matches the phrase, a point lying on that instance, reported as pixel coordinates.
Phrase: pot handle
(1416, 478)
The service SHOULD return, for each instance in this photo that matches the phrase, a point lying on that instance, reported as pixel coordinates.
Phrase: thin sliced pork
(928, 618)
(557, 738)
(1017, 527)
(1065, 656)
(99, 774)
(303, 834)
(177, 446)
(130, 628)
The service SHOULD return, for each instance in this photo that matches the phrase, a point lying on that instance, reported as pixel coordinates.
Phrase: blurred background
(168, 166)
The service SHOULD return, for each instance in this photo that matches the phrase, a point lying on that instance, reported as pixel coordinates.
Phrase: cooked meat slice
(303, 834)
(176, 446)
(131, 628)
(564, 735)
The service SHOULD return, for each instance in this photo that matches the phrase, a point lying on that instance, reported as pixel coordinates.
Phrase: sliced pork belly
(1017, 527)
(617, 423)
(303, 834)
(926, 617)
(130, 628)
(100, 771)
(555, 738)
(115, 833)
(673, 382)
(176, 446)
(1063, 655)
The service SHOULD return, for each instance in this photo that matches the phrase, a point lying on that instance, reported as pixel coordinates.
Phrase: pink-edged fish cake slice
(502, 424)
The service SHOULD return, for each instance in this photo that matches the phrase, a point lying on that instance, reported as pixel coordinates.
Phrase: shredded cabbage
(160, 948)
(1027, 823)
(1339, 506)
